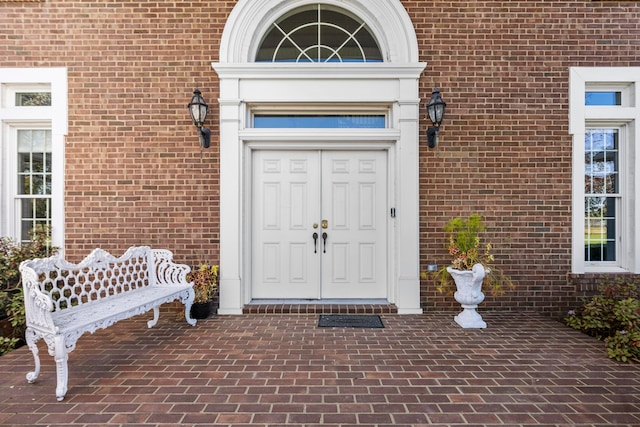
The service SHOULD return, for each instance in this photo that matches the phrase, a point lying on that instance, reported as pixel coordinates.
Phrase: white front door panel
(354, 205)
(286, 202)
(293, 191)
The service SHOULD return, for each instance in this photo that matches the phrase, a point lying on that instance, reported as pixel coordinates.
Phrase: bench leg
(62, 371)
(187, 315)
(187, 300)
(156, 315)
(31, 338)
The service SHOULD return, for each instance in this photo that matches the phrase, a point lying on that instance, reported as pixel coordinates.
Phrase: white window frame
(13, 118)
(626, 118)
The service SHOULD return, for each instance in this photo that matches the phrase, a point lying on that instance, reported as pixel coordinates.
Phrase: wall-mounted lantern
(198, 110)
(435, 109)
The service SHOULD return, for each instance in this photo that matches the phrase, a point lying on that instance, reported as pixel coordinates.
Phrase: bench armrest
(168, 272)
(38, 306)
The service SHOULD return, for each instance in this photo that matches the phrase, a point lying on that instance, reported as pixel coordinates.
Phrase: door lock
(315, 225)
(325, 224)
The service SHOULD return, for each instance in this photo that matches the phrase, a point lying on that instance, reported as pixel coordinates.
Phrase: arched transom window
(319, 33)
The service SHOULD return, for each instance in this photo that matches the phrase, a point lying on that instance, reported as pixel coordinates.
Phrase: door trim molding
(240, 91)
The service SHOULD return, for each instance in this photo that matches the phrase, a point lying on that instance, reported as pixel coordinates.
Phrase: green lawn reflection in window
(319, 121)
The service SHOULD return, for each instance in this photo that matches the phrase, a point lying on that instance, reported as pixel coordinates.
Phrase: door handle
(324, 245)
(315, 243)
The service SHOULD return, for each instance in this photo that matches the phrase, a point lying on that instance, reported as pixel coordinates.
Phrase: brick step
(319, 308)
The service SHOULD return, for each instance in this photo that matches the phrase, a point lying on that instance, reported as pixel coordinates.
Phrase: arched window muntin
(318, 33)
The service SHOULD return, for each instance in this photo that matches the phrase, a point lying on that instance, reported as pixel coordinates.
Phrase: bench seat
(114, 308)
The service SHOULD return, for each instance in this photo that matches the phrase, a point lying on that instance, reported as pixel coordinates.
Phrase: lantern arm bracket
(205, 137)
(432, 137)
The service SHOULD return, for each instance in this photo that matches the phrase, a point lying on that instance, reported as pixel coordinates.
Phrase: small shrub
(12, 253)
(612, 316)
(16, 311)
(205, 282)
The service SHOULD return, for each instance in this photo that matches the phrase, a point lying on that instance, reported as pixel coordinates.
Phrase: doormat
(349, 321)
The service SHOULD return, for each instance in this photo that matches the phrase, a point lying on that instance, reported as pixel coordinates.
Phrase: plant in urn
(470, 267)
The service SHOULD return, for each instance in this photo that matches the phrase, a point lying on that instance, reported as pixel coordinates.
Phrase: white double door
(319, 224)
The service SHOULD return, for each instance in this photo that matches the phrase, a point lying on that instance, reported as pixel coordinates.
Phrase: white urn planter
(469, 295)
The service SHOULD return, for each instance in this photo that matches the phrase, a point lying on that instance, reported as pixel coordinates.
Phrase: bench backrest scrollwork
(98, 276)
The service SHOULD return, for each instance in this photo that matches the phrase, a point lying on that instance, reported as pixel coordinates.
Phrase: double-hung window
(604, 117)
(33, 119)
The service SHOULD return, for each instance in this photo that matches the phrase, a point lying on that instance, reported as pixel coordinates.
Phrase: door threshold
(320, 301)
(325, 306)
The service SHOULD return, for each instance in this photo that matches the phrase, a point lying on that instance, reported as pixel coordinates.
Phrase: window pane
(34, 214)
(601, 161)
(318, 33)
(600, 229)
(603, 98)
(33, 99)
(24, 141)
(319, 121)
(42, 208)
(37, 163)
(24, 184)
(27, 208)
(34, 162)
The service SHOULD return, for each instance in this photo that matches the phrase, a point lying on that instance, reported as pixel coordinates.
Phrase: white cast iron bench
(63, 300)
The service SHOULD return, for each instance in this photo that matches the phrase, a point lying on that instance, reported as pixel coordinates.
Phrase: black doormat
(349, 321)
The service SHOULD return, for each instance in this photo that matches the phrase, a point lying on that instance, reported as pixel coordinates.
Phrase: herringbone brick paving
(523, 370)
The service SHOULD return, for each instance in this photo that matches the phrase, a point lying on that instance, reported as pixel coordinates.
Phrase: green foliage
(18, 321)
(5, 300)
(465, 250)
(7, 344)
(12, 253)
(16, 310)
(464, 242)
(612, 316)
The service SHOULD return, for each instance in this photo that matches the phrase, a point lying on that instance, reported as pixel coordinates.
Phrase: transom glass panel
(319, 33)
(319, 121)
(33, 99)
(602, 194)
(611, 98)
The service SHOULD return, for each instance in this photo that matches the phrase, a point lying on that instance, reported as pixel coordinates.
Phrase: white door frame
(392, 84)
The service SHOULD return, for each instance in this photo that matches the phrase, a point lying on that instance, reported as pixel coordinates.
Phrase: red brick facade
(135, 173)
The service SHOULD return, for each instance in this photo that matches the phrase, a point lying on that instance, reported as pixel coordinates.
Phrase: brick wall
(134, 170)
(135, 173)
(504, 147)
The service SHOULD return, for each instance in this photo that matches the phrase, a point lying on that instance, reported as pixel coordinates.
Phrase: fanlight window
(319, 33)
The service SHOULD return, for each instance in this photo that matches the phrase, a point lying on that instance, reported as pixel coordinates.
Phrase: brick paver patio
(524, 369)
